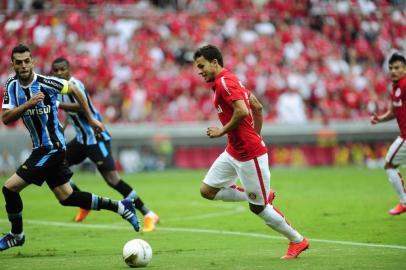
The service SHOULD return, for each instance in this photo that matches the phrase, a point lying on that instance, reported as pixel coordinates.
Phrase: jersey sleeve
(9, 99)
(231, 90)
(81, 87)
(59, 86)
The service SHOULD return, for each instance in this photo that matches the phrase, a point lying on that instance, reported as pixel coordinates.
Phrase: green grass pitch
(343, 211)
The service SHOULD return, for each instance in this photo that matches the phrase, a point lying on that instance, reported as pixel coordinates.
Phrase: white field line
(238, 209)
(191, 230)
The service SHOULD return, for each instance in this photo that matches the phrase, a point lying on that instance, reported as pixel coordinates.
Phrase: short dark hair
(20, 48)
(397, 57)
(209, 52)
(61, 60)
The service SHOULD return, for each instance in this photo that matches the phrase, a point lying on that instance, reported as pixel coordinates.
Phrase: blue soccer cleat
(9, 241)
(129, 213)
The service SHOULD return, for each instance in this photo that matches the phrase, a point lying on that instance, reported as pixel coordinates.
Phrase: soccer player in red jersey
(397, 151)
(246, 155)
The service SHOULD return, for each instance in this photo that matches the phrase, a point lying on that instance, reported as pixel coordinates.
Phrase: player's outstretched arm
(94, 123)
(256, 108)
(12, 115)
(387, 116)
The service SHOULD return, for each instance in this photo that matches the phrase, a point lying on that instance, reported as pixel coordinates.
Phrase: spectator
(315, 46)
(290, 108)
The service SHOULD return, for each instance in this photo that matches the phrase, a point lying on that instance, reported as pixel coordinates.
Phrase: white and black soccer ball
(137, 253)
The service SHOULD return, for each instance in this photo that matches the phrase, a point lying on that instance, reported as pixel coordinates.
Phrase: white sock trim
(120, 209)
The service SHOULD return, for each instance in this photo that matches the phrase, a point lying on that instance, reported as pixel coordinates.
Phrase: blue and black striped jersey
(84, 132)
(42, 120)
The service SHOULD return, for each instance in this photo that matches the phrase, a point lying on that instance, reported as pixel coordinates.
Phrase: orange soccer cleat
(81, 215)
(150, 222)
(398, 209)
(295, 249)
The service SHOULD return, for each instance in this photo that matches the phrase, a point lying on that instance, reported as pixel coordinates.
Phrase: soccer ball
(137, 253)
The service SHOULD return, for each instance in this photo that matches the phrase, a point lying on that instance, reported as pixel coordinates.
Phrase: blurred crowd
(304, 59)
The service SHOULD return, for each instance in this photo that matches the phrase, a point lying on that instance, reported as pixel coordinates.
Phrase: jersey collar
(33, 80)
(221, 74)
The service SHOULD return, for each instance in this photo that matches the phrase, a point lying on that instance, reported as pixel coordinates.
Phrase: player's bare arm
(387, 116)
(256, 108)
(94, 123)
(12, 115)
(71, 107)
(240, 111)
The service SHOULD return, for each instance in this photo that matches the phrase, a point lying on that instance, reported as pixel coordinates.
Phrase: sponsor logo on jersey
(40, 110)
(397, 103)
(55, 84)
(398, 92)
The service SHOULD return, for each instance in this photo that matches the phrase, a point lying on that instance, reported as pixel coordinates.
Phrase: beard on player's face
(208, 77)
(396, 75)
(397, 71)
(24, 74)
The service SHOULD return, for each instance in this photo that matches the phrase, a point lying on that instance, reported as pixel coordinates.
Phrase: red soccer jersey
(398, 97)
(243, 141)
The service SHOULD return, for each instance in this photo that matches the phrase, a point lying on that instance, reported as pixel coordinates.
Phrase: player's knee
(5, 191)
(110, 182)
(256, 209)
(388, 166)
(111, 178)
(207, 194)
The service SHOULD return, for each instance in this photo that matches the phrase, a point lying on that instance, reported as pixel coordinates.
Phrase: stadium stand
(136, 58)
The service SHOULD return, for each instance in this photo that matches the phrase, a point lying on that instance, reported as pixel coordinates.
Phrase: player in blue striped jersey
(32, 97)
(96, 147)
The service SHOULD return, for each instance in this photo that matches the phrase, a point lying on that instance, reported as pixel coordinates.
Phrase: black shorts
(45, 165)
(99, 153)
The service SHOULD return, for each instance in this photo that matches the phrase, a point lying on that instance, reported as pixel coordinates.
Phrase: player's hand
(38, 97)
(97, 126)
(374, 119)
(214, 132)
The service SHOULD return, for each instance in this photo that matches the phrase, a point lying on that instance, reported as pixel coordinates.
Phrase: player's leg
(67, 197)
(255, 176)
(14, 208)
(101, 155)
(76, 154)
(58, 181)
(396, 155)
(30, 172)
(219, 181)
(114, 180)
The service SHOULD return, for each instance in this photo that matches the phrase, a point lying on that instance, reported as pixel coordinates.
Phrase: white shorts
(397, 152)
(254, 176)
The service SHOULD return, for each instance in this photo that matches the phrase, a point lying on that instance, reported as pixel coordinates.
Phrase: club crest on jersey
(397, 103)
(219, 110)
(398, 92)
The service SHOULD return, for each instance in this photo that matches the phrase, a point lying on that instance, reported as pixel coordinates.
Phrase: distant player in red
(397, 151)
(246, 156)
